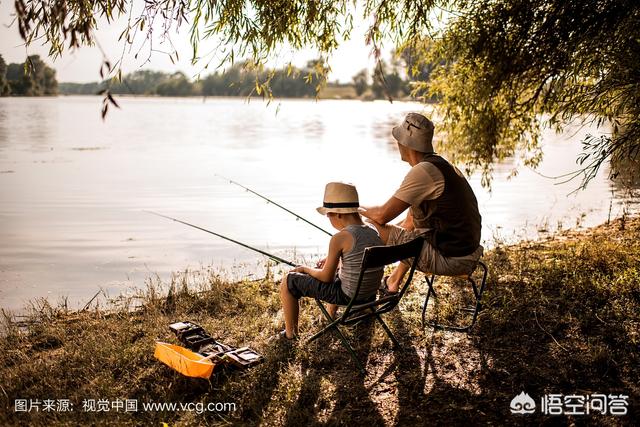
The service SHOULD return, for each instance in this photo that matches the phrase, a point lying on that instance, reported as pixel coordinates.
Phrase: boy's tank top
(363, 237)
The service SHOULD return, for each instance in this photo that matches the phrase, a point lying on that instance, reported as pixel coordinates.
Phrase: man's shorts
(303, 285)
(432, 261)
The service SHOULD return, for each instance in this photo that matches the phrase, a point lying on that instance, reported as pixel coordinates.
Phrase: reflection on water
(71, 213)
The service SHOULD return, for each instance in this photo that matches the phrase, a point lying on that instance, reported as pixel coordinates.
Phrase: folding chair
(374, 257)
(473, 309)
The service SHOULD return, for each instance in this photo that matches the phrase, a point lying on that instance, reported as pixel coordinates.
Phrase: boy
(346, 247)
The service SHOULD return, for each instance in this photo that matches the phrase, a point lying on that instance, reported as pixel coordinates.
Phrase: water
(73, 188)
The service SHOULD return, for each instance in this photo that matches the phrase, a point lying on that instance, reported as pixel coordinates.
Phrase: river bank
(561, 316)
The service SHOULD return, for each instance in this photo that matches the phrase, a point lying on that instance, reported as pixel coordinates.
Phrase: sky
(83, 65)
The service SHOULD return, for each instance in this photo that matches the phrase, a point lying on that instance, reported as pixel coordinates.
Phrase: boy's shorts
(303, 285)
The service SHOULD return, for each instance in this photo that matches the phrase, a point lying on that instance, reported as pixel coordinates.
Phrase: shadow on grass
(328, 364)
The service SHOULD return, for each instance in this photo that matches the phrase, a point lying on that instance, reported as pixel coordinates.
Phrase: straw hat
(339, 198)
(416, 132)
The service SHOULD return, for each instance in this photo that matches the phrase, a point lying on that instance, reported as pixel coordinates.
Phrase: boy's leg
(290, 308)
(298, 285)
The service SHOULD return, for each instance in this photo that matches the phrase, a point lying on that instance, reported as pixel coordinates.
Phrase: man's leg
(290, 308)
(394, 280)
(383, 230)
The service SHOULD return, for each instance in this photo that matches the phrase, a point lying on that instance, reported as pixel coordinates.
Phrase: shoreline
(560, 315)
(259, 97)
(223, 272)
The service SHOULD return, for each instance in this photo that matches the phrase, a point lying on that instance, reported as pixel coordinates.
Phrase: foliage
(4, 86)
(361, 82)
(500, 69)
(387, 82)
(139, 82)
(245, 79)
(176, 85)
(238, 80)
(32, 78)
(507, 68)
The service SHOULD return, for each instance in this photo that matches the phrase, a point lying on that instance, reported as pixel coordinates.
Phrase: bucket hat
(415, 132)
(339, 198)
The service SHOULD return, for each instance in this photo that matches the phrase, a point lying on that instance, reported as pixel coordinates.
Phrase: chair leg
(479, 293)
(324, 330)
(436, 325)
(396, 344)
(475, 309)
(334, 327)
(430, 291)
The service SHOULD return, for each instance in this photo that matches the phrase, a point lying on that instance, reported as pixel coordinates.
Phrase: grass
(560, 316)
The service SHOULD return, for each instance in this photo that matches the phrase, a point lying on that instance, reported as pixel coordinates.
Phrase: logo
(523, 404)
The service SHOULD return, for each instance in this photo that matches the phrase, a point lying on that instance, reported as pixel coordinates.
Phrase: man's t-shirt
(423, 182)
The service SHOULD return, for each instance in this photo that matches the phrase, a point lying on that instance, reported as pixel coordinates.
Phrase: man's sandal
(383, 289)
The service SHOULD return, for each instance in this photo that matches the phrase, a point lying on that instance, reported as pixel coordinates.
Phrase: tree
(387, 83)
(49, 82)
(4, 86)
(418, 70)
(500, 65)
(361, 82)
(140, 82)
(176, 85)
(507, 68)
(32, 78)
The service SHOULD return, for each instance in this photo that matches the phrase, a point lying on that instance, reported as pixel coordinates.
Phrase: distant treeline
(35, 78)
(31, 78)
(238, 80)
(289, 82)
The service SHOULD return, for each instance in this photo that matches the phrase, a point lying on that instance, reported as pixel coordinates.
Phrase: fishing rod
(273, 257)
(274, 203)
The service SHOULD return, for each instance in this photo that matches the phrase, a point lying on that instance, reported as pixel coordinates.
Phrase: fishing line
(273, 257)
(274, 203)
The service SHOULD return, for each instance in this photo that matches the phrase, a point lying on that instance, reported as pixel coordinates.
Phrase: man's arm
(385, 213)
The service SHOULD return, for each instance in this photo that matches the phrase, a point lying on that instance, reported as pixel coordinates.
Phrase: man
(443, 208)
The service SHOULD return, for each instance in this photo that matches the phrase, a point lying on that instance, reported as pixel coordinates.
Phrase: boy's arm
(337, 245)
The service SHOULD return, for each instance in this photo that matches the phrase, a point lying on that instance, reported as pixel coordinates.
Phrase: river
(73, 188)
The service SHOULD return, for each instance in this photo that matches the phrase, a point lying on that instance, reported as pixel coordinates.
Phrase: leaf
(113, 101)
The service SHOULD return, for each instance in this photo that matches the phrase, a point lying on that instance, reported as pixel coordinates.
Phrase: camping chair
(374, 257)
(474, 309)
